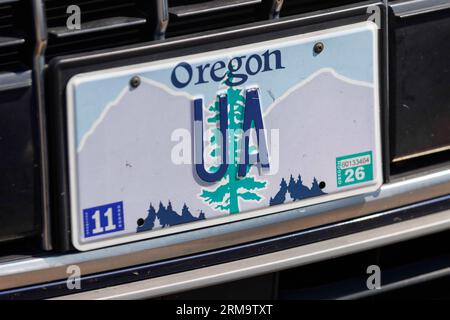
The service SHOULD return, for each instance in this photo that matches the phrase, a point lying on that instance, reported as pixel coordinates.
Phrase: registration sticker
(354, 169)
(103, 219)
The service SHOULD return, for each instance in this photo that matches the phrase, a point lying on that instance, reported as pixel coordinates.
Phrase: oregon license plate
(193, 141)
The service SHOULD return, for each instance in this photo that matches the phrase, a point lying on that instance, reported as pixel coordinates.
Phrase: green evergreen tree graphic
(232, 188)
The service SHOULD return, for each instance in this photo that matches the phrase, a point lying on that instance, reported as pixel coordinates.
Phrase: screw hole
(140, 222)
(318, 47)
(135, 82)
(322, 184)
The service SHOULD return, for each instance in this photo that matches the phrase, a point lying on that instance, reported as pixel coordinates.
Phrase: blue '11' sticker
(103, 219)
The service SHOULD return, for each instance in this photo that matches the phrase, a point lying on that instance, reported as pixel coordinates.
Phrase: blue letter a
(252, 114)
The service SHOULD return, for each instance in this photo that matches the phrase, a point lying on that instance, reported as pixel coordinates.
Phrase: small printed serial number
(355, 162)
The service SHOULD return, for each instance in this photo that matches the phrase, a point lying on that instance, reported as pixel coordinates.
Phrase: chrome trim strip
(409, 8)
(40, 28)
(272, 262)
(277, 5)
(13, 80)
(421, 154)
(162, 8)
(32, 270)
(429, 276)
(385, 101)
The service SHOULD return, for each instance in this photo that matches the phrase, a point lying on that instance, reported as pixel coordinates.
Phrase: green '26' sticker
(355, 168)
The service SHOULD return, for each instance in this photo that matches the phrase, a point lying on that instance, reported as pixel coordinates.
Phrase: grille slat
(198, 8)
(10, 41)
(104, 24)
(291, 7)
(196, 16)
(98, 26)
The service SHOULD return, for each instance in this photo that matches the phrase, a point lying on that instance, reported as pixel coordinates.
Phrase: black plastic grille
(6, 17)
(419, 91)
(13, 37)
(10, 58)
(113, 23)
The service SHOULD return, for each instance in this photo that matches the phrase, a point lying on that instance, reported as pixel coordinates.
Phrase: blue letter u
(204, 174)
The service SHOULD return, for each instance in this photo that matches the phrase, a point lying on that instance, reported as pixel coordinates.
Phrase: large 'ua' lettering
(252, 120)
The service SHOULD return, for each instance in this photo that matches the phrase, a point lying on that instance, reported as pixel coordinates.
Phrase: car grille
(19, 216)
(13, 36)
(114, 23)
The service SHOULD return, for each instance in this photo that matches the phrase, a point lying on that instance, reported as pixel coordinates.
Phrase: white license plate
(204, 139)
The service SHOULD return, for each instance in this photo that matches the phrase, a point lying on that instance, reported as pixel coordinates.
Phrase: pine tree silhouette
(169, 207)
(161, 214)
(301, 191)
(166, 217)
(296, 190)
(149, 221)
(171, 217)
(186, 215)
(227, 195)
(291, 188)
(280, 197)
(185, 211)
(315, 189)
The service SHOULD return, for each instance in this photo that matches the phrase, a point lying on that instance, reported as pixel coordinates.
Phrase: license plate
(194, 141)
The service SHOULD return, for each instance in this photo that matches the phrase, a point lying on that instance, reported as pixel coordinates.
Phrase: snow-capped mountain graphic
(126, 156)
(322, 118)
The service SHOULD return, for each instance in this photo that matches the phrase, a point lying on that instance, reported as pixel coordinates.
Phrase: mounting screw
(135, 82)
(318, 47)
